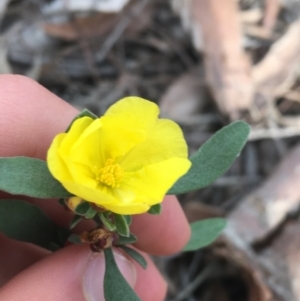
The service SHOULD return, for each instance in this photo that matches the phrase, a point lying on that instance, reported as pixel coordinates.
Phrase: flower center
(110, 174)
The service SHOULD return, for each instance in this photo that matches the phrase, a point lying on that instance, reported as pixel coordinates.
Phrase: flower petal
(95, 196)
(164, 141)
(80, 173)
(77, 129)
(56, 165)
(153, 181)
(134, 112)
(128, 209)
(88, 149)
(126, 124)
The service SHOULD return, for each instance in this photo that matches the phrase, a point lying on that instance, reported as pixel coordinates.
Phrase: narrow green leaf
(204, 232)
(213, 158)
(83, 113)
(31, 177)
(83, 208)
(121, 225)
(23, 221)
(128, 219)
(75, 220)
(75, 239)
(90, 213)
(116, 287)
(106, 222)
(136, 256)
(127, 240)
(155, 209)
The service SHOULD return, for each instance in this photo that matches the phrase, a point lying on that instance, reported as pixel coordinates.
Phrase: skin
(30, 117)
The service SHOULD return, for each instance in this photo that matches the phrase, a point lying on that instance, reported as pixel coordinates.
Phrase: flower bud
(73, 202)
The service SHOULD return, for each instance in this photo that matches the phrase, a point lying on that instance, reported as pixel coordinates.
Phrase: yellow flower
(124, 161)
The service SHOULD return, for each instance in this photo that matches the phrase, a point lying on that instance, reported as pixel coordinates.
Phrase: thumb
(74, 273)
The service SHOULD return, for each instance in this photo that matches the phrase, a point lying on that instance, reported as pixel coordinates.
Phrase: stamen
(110, 174)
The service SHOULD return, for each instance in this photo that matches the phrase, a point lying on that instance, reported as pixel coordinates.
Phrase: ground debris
(227, 68)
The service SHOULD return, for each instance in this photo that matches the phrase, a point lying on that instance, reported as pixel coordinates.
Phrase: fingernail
(94, 274)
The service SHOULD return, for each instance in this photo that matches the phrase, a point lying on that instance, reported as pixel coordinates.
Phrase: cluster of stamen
(110, 174)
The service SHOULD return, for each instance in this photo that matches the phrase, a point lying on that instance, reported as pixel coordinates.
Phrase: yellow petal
(95, 196)
(153, 181)
(126, 123)
(56, 165)
(119, 139)
(134, 112)
(80, 173)
(77, 172)
(128, 209)
(77, 129)
(164, 141)
(103, 139)
(88, 148)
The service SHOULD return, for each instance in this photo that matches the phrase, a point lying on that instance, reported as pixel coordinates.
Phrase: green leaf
(31, 177)
(75, 239)
(155, 209)
(128, 219)
(127, 240)
(75, 220)
(82, 208)
(23, 221)
(90, 213)
(116, 287)
(83, 113)
(121, 225)
(85, 209)
(135, 255)
(213, 158)
(106, 222)
(204, 232)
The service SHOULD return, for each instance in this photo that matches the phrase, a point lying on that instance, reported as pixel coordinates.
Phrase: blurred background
(206, 63)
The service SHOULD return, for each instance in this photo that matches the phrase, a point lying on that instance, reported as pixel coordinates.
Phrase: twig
(3, 5)
(206, 273)
(280, 64)
(119, 30)
(86, 51)
(272, 9)
(226, 65)
(274, 133)
(292, 95)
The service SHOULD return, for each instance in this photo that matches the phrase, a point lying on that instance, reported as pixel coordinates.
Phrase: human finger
(162, 234)
(75, 273)
(16, 256)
